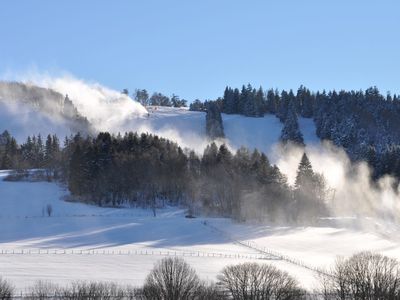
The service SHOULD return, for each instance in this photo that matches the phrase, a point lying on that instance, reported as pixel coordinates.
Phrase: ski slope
(121, 244)
(187, 128)
(261, 133)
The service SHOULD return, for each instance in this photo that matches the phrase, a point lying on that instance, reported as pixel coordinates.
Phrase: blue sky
(196, 48)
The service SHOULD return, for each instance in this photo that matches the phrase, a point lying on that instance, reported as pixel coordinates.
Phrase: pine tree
(291, 131)
(77, 174)
(214, 126)
(310, 191)
(305, 173)
(271, 103)
(283, 107)
(229, 105)
(259, 103)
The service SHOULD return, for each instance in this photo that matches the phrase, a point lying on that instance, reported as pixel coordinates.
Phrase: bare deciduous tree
(171, 279)
(364, 275)
(251, 281)
(81, 290)
(6, 289)
(209, 291)
(95, 290)
(42, 290)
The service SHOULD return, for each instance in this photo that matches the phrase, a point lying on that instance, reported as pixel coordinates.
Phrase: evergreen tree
(309, 191)
(271, 102)
(259, 103)
(291, 131)
(197, 105)
(158, 99)
(214, 126)
(229, 105)
(141, 96)
(305, 173)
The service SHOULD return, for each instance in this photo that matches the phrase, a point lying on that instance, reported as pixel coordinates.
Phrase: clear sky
(196, 48)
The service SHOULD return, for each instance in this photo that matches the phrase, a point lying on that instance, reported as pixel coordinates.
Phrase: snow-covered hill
(27, 109)
(23, 121)
(187, 128)
(121, 244)
(109, 110)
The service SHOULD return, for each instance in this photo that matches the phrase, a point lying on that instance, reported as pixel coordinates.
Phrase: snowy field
(91, 243)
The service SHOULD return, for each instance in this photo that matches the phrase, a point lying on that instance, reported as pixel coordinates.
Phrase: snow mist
(110, 110)
(351, 191)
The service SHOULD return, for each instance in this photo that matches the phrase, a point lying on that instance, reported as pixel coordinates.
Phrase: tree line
(35, 153)
(156, 99)
(148, 170)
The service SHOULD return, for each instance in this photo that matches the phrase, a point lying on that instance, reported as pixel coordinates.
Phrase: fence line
(136, 294)
(130, 252)
(267, 251)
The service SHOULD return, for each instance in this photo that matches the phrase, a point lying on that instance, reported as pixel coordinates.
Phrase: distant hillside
(27, 109)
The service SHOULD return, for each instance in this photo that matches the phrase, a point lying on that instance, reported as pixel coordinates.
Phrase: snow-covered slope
(185, 127)
(308, 129)
(27, 110)
(109, 244)
(319, 246)
(260, 133)
(188, 128)
(23, 121)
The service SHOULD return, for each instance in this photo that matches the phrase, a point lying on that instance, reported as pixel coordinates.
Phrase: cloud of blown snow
(112, 111)
(351, 191)
(106, 109)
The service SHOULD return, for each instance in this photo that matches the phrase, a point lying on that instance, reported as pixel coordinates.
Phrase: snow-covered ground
(91, 243)
(262, 133)
(86, 242)
(308, 129)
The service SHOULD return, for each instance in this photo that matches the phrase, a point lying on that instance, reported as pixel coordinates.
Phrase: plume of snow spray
(112, 111)
(352, 192)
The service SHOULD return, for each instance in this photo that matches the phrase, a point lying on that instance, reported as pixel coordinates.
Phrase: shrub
(93, 290)
(250, 281)
(364, 275)
(6, 289)
(42, 290)
(171, 279)
(209, 292)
